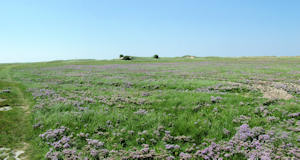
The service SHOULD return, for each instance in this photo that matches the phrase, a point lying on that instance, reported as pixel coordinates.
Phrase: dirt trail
(25, 106)
(19, 152)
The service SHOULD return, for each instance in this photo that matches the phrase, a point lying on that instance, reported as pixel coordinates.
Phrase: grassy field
(169, 108)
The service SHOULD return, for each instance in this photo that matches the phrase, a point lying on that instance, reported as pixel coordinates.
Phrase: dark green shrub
(121, 55)
(127, 58)
(156, 56)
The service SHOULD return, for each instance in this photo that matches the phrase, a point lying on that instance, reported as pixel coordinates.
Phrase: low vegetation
(174, 108)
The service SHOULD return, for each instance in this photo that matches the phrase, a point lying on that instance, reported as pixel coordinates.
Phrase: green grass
(174, 87)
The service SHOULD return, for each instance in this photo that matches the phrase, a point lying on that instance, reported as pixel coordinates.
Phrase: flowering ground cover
(170, 108)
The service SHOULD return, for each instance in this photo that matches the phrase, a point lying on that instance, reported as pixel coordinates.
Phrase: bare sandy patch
(273, 93)
(4, 153)
(274, 90)
(271, 90)
(7, 153)
(6, 108)
(17, 154)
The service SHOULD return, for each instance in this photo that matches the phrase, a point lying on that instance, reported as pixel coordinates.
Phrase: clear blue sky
(42, 30)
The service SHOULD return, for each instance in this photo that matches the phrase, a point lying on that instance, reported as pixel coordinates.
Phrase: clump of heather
(141, 112)
(60, 143)
(294, 115)
(252, 143)
(172, 147)
(54, 134)
(144, 153)
(215, 99)
(42, 93)
(185, 156)
(95, 143)
(53, 155)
